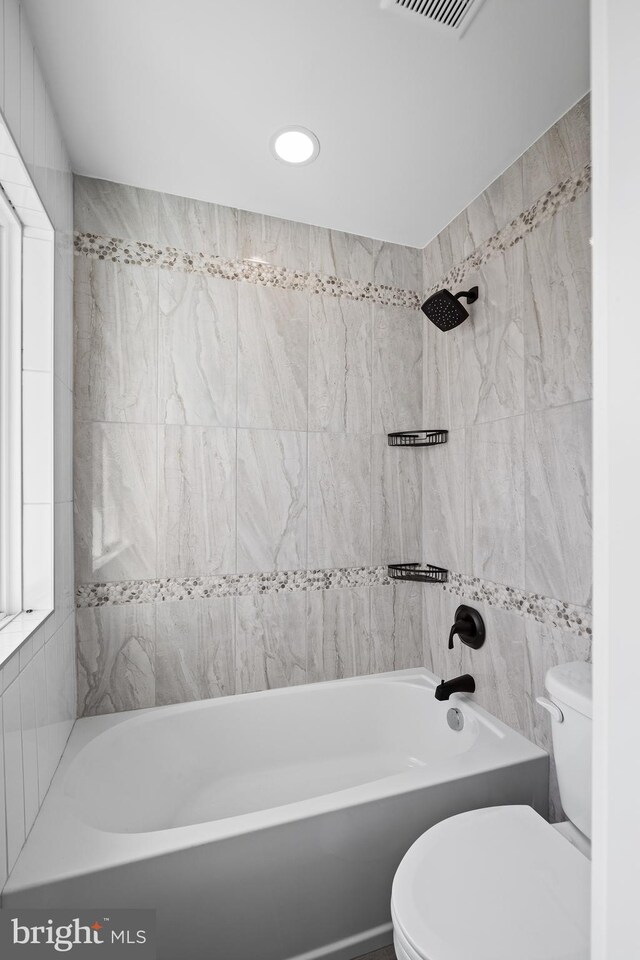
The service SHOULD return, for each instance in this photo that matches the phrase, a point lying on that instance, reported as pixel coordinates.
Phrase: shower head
(445, 310)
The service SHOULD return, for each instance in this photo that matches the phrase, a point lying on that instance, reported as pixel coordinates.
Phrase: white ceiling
(183, 95)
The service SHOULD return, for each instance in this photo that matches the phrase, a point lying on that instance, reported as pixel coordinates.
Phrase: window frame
(10, 412)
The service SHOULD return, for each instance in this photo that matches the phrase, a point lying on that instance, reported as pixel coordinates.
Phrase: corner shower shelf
(417, 438)
(418, 572)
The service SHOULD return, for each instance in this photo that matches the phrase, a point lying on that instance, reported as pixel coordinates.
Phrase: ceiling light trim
(295, 128)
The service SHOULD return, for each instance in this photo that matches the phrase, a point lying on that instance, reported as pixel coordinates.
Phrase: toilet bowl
(501, 883)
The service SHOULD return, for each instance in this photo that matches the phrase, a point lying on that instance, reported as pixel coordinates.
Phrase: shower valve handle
(469, 626)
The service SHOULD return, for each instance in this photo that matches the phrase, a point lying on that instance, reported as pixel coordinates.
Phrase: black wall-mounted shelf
(418, 572)
(417, 438)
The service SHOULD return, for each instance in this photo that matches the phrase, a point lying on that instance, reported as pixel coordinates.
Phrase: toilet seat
(493, 884)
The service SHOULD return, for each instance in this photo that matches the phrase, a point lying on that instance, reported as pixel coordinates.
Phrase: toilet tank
(569, 687)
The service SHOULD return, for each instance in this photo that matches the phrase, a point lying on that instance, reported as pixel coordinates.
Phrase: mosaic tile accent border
(140, 254)
(556, 613)
(231, 585)
(545, 207)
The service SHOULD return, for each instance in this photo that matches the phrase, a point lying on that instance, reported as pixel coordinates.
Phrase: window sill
(17, 631)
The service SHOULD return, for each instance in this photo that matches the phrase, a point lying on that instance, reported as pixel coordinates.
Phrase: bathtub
(266, 826)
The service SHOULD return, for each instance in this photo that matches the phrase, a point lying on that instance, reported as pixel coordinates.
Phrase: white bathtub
(266, 826)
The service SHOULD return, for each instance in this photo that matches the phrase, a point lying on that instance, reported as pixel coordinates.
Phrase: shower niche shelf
(417, 438)
(418, 572)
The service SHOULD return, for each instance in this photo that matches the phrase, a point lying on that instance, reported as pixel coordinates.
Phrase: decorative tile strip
(554, 613)
(231, 585)
(565, 192)
(140, 254)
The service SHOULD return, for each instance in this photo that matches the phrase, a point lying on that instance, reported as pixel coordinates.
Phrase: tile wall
(236, 500)
(508, 500)
(37, 684)
(235, 497)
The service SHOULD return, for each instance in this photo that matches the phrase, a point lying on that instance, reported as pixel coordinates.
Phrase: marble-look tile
(558, 503)
(196, 501)
(564, 148)
(273, 333)
(504, 198)
(498, 666)
(338, 254)
(443, 503)
(437, 259)
(339, 500)
(546, 647)
(492, 210)
(284, 243)
(397, 266)
(397, 369)
(195, 225)
(116, 320)
(396, 503)
(272, 500)
(436, 405)
(270, 641)
(115, 210)
(116, 654)
(197, 350)
(438, 615)
(396, 626)
(115, 482)
(557, 308)
(340, 339)
(486, 352)
(494, 501)
(195, 650)
(338, 634)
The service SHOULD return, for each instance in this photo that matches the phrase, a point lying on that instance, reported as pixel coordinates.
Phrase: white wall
(616, 194)
(37, 685)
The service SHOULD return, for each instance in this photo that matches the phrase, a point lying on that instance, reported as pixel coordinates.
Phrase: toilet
(501, 883)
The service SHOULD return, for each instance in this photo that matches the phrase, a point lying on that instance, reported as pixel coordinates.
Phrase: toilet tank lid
(571, 683)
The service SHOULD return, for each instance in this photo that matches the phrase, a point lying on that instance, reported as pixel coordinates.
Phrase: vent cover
(455, 15)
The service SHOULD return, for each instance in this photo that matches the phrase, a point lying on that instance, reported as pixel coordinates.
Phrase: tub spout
(463, 684)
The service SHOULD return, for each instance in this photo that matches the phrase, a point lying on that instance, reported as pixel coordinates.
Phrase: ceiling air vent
(455, 15)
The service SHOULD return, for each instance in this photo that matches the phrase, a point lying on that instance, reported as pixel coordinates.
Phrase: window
(10, 412)
(27, 266)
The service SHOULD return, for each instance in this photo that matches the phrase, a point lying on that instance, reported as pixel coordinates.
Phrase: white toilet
(501, 883)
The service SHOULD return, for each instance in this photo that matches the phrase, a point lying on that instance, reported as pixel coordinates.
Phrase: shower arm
(470, 295)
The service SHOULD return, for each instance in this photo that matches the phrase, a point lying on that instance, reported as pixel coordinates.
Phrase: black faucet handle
(458, 627)
(469, 626)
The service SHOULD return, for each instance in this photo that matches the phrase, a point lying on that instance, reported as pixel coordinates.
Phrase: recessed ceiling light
(295, 145)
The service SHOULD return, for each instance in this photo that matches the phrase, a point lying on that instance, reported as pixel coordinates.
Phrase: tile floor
(386, 953)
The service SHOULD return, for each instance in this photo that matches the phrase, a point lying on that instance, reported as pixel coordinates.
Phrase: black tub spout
(463, 684)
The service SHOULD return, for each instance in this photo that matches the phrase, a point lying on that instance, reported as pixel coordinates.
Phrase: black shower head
(445, 310)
